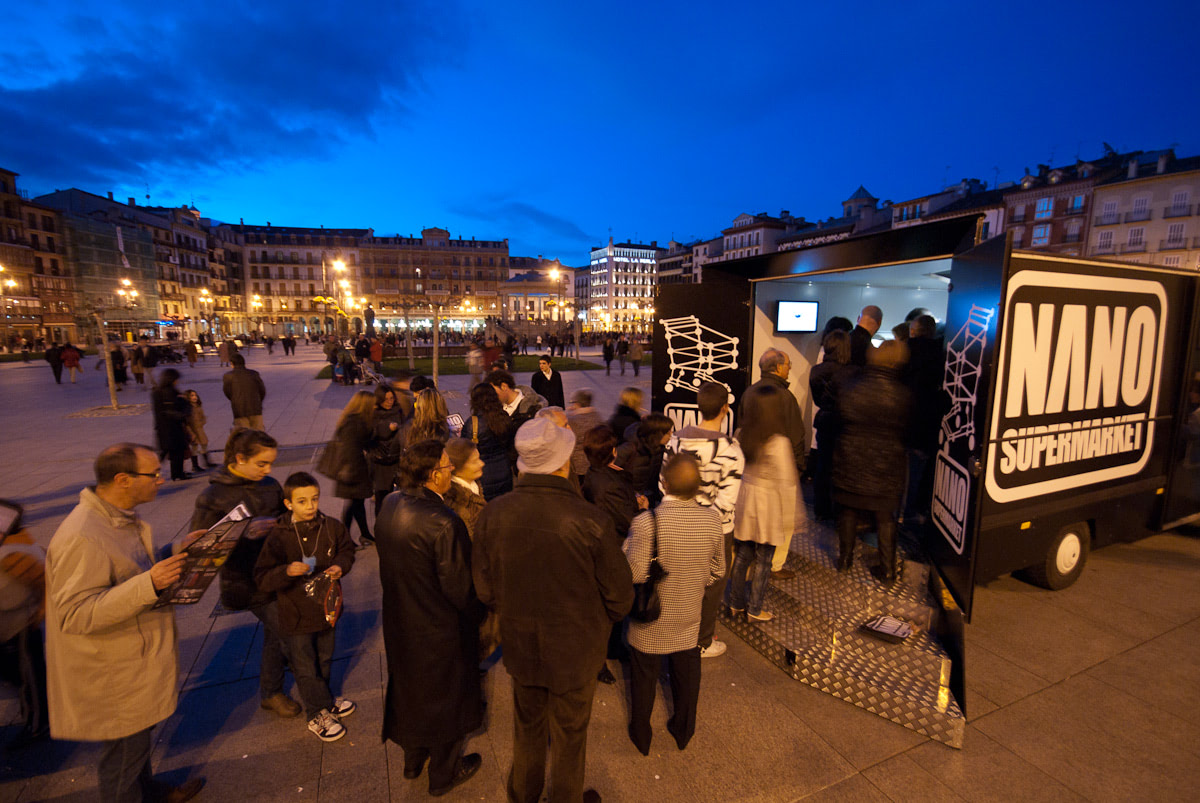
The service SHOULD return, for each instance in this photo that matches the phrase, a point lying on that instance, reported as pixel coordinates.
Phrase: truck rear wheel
(1065, 558)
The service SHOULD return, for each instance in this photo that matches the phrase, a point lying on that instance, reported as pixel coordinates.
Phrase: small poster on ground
(204, 558)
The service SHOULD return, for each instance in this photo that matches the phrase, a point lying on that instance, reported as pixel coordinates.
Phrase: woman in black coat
(430, 622)
(491, 430)
(628, 412)
(822, 379)
(171, 414)
(355, 434)
(388, 443)
(869, 464)
(641, 455)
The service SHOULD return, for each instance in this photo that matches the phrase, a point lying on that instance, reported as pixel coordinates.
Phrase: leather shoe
(783, 574)
(413, 770)
(282, 705)
(606, 676)
(591, 796)
(184, 792)
(468, 765)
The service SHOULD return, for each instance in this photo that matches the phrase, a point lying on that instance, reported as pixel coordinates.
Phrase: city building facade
(1148, 212)
(621, 292)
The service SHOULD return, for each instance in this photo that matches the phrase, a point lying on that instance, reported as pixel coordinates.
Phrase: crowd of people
(465, 568)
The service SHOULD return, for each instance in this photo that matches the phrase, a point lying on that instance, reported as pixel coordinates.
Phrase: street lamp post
(6, 286)
(206, 301)
(256, 306)
(129, 299)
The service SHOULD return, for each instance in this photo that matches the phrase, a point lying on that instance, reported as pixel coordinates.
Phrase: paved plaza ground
(1092, 693)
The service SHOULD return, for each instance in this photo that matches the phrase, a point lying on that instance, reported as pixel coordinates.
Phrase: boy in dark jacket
(303, 544)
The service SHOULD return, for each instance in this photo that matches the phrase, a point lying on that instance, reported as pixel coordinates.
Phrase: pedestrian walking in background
(608, 351)
(686, 539)
(53, 355)
(765, 516)
(303, 544)
(70, 360)
(191, 351)
(636, 352)
(112, 657)
(120, 376)
(622, 352)
(492, 433)
(245, 479)
(431, 621)
(869, 465)
(171, 415)
(223, 353)
(546, 563)
(245, 390)
(196, 433)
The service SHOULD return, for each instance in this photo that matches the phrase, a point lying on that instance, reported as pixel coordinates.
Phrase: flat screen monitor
(796, 316)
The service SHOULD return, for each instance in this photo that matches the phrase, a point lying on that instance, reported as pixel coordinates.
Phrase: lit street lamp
(6, 286)
(256, 306)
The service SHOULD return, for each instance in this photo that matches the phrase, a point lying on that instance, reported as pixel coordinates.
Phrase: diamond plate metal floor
(814, 636)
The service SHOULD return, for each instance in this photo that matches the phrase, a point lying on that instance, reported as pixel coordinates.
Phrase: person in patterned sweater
(721, 463)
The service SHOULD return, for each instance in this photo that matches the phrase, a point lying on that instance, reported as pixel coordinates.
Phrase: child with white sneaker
(304, 543)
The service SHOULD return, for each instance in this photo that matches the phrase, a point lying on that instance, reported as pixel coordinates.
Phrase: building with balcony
(678, 264)
(621, 291)
(1050, 210)
(1149, 212)
(538, 292)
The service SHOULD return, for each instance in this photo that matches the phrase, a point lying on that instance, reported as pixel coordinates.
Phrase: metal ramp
(814, 636)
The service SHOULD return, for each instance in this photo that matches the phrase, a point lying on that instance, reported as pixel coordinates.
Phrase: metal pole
(437, 314)
(107, 356)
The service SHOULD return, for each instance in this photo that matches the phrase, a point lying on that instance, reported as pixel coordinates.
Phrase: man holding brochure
(112, 656)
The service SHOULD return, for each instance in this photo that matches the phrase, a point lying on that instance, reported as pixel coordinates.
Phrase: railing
(1173, 245)
(1099, 250)
(1137, 217)
(1177, 211)
(1071, 238)
(1073, 210)
(1018, 217)
(1107, 220)
(1134, 248)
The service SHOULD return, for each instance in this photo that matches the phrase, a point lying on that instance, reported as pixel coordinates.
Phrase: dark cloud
(529, 222)
(178, 92)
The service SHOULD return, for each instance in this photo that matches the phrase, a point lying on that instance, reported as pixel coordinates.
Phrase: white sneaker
(326, 726)
(342, 707)
(713, 650)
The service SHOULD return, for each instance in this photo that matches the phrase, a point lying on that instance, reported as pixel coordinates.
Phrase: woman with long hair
(628, 412)
(388, 443)
(491, 430)
(354, 433)
(765, 516)
(642, 456)
(429, 418)
(465, 497)
(171, 413)
(195, 426)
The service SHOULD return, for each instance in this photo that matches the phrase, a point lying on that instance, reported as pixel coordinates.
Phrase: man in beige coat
(112, 660)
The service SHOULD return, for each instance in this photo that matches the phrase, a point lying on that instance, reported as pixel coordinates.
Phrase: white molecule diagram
(964, 353)
(693, 360)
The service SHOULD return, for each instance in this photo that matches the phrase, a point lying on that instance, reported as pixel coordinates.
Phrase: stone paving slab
(1089, 693)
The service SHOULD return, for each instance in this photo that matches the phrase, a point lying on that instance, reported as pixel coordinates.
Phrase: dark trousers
(23, 664)
(57, 369)
(311, 656)
(714, 595)
(823, 474)
(270, 675)
(356, 510)
(443, 760)
(540, 714)
(684, 670)
(124, 769)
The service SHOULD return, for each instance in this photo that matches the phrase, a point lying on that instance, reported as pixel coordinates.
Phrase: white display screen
(796, 316)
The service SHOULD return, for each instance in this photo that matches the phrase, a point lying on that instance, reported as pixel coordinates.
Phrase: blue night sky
(552, 123)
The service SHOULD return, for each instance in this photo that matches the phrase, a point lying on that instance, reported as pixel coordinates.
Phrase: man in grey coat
(245, 390)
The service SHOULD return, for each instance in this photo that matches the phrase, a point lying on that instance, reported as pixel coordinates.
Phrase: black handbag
(647, 606)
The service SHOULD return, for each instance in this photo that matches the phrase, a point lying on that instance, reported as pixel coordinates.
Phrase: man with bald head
(869, 321)
(112, 658)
